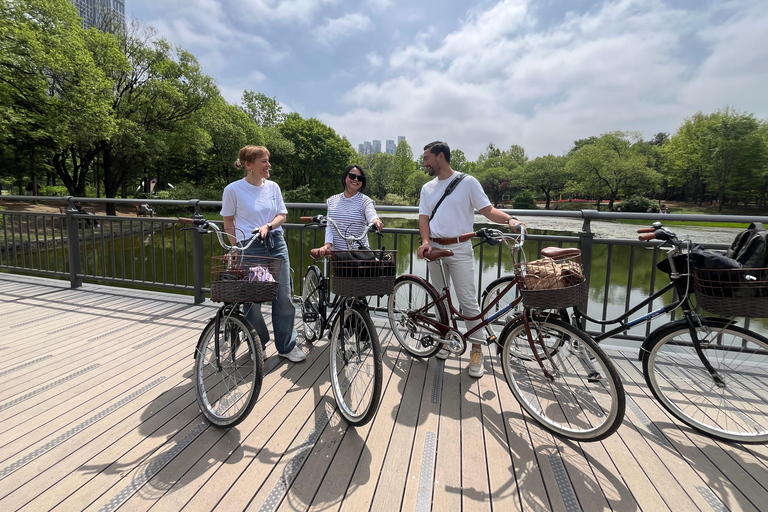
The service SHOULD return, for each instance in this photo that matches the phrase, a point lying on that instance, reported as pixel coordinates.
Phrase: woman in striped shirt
(351, 210)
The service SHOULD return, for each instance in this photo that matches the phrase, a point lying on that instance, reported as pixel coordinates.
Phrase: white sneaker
(443, 353)
(476, 367)
(295, 355)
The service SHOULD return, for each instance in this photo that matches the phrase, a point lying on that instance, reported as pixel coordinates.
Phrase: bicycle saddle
(436, 253)
(559, 253)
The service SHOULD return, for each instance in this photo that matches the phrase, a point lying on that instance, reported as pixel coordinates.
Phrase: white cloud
(621, 66)
(374, 60)
(291, 11)
(339, 28)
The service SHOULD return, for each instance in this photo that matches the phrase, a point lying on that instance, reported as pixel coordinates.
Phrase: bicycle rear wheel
(410, 296)
(312, 298)
(356, 372)
(736, 409)
(584, 400)
(228, 389)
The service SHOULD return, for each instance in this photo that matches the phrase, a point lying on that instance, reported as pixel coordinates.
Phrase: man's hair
(438, 147)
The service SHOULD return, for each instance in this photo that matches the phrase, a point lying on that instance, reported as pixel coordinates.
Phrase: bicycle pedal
(594, 377)
(310, 317)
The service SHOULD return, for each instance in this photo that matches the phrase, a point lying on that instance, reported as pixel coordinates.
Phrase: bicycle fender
(421, 280)
(661, 330)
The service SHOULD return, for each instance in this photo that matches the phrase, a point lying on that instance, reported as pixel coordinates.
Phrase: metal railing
(156, 253)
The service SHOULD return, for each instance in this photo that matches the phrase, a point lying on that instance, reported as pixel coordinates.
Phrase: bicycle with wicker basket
(557, 373)
(706, 371)
(356, 373)
(229, 360)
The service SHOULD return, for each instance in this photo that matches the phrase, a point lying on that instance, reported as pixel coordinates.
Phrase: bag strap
(448, 190)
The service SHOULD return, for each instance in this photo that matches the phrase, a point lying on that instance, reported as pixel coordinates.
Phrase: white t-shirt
(456, 214)
(252, 206)
(352, 213)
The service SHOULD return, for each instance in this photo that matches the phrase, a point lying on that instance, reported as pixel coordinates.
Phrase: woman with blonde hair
(255, 202)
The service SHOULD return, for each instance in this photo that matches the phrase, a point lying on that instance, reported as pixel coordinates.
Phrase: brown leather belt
(446, 241)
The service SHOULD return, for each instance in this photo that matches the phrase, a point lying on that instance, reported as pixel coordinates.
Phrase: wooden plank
(448, 485)
(353, 457)
(394, 470)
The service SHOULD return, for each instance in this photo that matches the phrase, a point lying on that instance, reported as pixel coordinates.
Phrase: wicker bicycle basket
(732, 292)
(244, 278)
(552, 284)
(363, 272)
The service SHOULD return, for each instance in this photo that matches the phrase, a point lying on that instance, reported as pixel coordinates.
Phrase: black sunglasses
(356, 177)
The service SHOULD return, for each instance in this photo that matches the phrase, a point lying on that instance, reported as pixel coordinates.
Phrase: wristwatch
(269, 227)
(511, 217)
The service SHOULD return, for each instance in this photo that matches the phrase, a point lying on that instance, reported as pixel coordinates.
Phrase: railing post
(73, 246)
(586, 244)
(198, 256)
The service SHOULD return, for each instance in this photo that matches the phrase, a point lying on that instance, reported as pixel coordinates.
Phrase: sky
(540, 74)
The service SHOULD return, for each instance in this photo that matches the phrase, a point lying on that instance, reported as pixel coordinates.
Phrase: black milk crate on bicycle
(238, 278)
(741, 292)
(552, 284)
(359, 273)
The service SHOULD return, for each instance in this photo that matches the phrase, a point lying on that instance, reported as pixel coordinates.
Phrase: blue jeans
(283, 310)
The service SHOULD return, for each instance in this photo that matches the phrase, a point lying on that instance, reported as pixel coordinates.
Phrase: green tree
(498, 177)
(547, 174)
(403, 168)
(517, 153)
(612, 166)
(735, 154)
(265, 111)
(53, 98)
(319, 157)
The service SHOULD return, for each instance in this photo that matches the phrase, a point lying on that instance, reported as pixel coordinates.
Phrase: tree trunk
(110, 181)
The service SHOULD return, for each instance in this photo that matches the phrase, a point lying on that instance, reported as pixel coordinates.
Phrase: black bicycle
(341, 307)
(229, 360)
(706, 371)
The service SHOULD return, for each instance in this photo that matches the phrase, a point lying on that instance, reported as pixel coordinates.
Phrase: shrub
(525, 201)
(394, 200)
(301, 194)
(638, 204)
(58, 191)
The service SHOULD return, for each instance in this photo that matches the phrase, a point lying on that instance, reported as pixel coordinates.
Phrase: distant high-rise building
(400, 138)
(103, 14)
(360, 148)
(391, 147)
(367, 148)
(377, 146)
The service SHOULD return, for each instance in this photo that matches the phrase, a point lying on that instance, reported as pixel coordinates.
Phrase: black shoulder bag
(448, 190)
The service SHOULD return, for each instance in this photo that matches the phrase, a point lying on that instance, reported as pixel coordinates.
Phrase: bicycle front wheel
(311, 300)
(227, 387)
(410, 297)
(580, 396)
(731, 406)
(356, 372)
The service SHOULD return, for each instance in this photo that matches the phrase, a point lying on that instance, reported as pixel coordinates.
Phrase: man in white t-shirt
(455, 216)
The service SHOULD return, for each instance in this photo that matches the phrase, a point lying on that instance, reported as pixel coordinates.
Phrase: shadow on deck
(98, 412)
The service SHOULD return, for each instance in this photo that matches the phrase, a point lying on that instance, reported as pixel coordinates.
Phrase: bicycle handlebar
(657, 232)
(206, 226)
(322, 221)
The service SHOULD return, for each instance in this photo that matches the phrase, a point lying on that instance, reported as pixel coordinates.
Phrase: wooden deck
(97, 412)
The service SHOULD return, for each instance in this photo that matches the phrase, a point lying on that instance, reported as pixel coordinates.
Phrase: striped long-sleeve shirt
(352, 214)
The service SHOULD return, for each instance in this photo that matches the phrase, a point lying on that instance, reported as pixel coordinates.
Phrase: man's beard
(430, 171)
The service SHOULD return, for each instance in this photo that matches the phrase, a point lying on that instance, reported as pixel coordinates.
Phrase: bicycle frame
(455, 315)
(688, 313)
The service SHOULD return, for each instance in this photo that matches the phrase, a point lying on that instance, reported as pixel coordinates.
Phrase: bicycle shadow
(479, 403)
(717, 464)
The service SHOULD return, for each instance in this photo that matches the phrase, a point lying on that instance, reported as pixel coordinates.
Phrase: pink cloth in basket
(259, 273)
